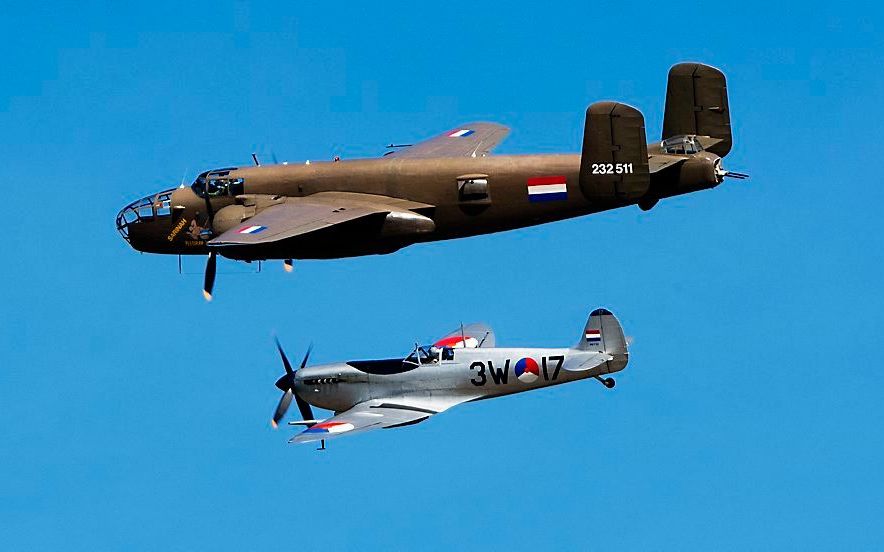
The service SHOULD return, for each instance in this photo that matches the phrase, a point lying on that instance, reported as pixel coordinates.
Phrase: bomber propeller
(209, 281)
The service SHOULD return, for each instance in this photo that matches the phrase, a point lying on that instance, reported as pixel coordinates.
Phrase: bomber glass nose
(146, 209)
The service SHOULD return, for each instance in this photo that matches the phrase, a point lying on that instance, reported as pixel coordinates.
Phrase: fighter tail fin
(603, 333)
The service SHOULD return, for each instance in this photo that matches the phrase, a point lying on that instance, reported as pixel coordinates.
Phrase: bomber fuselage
(178, 221)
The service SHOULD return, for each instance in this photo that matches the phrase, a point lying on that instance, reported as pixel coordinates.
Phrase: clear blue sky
(135, 416)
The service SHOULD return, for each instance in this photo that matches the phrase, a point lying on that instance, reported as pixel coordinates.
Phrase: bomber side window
(218, 187)
(447, 353)
(473, 189)
(216, 184)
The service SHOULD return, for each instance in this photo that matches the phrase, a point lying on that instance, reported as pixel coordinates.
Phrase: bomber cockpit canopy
(217, 183)
(683, 144)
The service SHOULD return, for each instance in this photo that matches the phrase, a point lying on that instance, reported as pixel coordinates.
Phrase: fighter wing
(302, 215)
(472, 335)
(377, 414)
(469, 140)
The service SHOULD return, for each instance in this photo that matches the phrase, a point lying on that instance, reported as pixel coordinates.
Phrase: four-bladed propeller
(286, 384)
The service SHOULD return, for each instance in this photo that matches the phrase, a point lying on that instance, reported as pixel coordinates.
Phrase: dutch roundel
(527, 370)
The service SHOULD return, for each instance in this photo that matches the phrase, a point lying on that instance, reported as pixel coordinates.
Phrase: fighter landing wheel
(607, 382)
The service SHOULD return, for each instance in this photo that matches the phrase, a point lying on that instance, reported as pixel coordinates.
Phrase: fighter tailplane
(604, 337)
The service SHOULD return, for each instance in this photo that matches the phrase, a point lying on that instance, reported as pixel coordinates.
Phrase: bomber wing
(378, 414)
(302, 215)
(469, 140)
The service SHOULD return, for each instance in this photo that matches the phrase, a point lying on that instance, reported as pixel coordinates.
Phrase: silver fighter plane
(463, 366)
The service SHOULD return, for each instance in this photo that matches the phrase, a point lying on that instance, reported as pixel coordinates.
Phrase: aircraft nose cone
(286, 381)
(166, 222)
(133, 215)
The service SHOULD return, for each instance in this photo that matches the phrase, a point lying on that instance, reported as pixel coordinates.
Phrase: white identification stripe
(547, 188)
(593, 335)
(340, 428)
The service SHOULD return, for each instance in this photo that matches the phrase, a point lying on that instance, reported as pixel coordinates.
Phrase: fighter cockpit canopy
(429, 354)
(217, 183)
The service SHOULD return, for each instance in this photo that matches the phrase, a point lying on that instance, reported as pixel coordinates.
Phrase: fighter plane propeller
(464, 365)
(445, 187)
(286, 384)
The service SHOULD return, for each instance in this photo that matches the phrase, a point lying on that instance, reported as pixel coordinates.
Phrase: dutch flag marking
(547, 188)
(460, 133)
(252, 229)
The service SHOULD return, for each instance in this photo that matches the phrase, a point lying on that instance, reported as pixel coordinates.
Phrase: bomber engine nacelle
(230, 217)
(406, 223)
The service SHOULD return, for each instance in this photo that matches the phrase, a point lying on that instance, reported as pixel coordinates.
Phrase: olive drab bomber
(446, 187)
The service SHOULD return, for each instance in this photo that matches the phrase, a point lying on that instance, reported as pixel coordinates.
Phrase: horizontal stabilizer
(584, 363)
